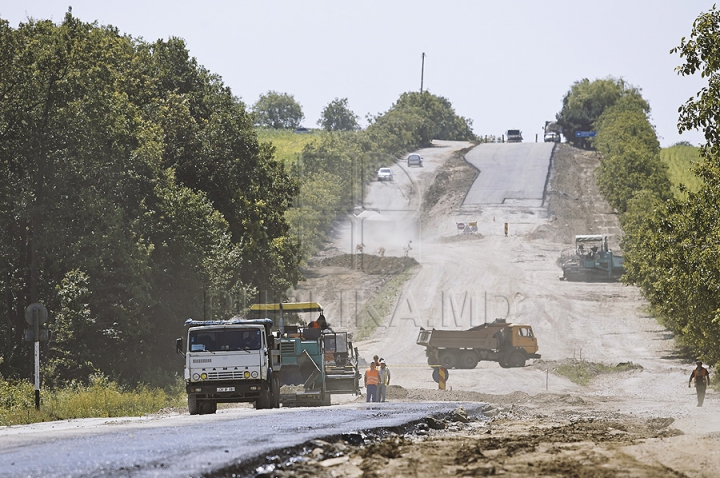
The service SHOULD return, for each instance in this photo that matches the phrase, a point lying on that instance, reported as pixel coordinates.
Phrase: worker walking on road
(384, 377)
(372, 379)
(702, 380)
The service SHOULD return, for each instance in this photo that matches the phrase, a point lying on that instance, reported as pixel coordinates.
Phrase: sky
(505, 64)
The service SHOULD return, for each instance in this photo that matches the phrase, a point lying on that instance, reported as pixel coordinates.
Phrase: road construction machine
(316, 361)
(591, 260)
(511, 345)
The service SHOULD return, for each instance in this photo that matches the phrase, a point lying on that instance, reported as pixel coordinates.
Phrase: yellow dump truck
(511, 345)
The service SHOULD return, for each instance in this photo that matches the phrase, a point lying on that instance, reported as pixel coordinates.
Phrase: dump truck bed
(460, 339)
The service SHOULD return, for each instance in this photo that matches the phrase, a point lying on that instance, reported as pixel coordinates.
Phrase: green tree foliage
(587, 100)
(278, 110)
(134, 186)
(631, 156)
(337, 117)
(415, 120)
(672, 249)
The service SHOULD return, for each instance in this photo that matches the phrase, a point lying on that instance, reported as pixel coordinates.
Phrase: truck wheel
(265, 400)
(448, 359)
(468, 360)
(275, 392)
(193, 405)
(517, 359)
(432, 362)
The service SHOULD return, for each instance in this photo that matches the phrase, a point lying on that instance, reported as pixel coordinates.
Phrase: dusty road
(640, 422)
(465, 280)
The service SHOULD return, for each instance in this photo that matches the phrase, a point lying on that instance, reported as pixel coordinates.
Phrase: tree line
(671, 243)
(136, 194)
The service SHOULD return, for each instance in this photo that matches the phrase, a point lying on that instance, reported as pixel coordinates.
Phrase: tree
(586, 101)
(278, 111)
(672, 250)
(337, 117)
(133, 185)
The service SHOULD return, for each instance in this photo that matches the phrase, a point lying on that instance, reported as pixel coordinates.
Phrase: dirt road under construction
(639, 422)
(402, 262)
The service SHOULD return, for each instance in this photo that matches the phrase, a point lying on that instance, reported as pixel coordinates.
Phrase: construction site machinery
(511, 345)
(591, 260)
(230, 361)
(317, 362)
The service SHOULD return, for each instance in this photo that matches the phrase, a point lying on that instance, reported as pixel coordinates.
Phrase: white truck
(228, 361)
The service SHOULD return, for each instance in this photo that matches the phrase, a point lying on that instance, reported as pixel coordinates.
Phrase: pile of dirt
(575, 201)
(450, 185)
(371, 264)
(460, 238)
(517, 443)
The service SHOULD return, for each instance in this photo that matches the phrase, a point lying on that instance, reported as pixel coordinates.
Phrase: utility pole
(422, 72)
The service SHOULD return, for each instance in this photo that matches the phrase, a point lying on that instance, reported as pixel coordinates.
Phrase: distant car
(415, 160)
(385, 174)
(552, 137)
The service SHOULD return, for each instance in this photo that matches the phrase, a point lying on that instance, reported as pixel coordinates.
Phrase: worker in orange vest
(372, 379)
(702, 380)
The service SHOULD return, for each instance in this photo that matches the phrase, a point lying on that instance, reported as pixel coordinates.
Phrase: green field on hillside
(288, 144)
(680, 160)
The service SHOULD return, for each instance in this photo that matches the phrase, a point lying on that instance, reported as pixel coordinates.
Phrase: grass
(582, 372)
(288, 144)
(680, 159)
(101, 398)
(371, 315)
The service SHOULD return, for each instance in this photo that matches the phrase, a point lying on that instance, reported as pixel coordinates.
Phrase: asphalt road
(187, 445)
(510, 173)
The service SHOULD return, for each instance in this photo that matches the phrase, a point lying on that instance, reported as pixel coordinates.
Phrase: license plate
(226, 389)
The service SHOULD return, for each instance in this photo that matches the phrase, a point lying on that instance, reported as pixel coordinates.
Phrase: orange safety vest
(371, 377)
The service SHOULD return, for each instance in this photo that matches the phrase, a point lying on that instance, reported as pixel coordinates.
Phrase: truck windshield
(513, 132)
(224, 340)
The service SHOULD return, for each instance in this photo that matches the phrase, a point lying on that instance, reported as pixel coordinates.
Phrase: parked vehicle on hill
(514, 136)
(511, 345)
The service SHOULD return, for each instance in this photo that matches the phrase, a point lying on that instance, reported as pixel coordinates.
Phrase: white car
(385, 174)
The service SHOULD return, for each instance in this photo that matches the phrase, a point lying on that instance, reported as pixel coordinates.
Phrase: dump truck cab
(230, 361)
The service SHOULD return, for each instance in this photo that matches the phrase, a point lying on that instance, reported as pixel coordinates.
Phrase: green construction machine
(316, 361)
(591, 261)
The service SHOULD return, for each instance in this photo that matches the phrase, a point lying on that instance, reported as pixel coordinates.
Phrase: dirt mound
(371, 264)
(460, 238)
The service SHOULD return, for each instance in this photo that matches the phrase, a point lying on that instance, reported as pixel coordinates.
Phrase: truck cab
(514, 136)
(230, 361)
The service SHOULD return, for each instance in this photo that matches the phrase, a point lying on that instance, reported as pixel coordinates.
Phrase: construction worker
(384, 377)
(372, 379)
(702, 380)
(319, 323)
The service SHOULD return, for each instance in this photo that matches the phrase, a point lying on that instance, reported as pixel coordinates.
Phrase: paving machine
(591, 260)
(316, 360)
